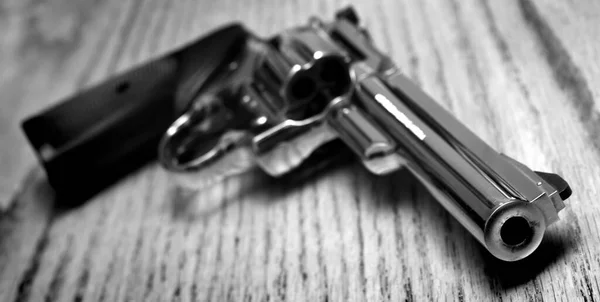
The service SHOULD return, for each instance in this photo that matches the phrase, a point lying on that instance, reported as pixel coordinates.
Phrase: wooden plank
(519, 73)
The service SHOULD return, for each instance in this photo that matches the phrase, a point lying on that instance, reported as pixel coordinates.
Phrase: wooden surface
(522, 74)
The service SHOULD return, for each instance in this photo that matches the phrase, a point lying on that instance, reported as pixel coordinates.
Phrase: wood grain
(522, 74)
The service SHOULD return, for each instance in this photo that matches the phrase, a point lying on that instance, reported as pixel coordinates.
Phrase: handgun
(233, 100)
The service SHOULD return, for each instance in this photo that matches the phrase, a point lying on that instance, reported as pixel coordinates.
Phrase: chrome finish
(286, 145)
(373, 146)
(477, 199)
(312, 84)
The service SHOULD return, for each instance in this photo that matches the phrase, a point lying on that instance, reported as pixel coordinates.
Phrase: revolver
(233, 100)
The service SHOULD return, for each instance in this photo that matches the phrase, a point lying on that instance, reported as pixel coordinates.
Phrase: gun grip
(89, 141)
